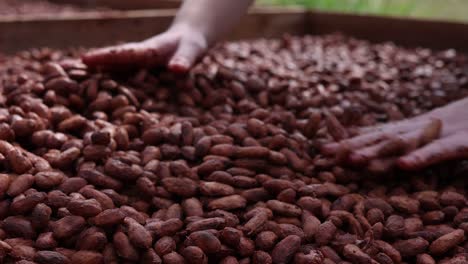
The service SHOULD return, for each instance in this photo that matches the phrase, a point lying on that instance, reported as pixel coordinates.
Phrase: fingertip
(89, 59)
(407, 163)
(357, 158)
(179, 64)
(330, 149)
(120, 57)
(177, 68)
(380, 166)
(97, 57)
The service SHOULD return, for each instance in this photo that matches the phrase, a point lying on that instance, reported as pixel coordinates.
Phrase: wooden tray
(404, 31)
(90, 29)
(123, 4)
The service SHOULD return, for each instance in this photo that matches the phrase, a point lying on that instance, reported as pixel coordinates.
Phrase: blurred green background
(436, 9)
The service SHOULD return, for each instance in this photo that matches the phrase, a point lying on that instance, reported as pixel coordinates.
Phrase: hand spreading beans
(223, 165)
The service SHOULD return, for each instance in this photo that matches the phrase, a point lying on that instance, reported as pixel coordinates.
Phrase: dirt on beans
(223, 165)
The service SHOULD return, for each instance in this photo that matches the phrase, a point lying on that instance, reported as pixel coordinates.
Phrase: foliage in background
(436, 9)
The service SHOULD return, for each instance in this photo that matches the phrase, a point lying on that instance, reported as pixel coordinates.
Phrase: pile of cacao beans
(223, 165)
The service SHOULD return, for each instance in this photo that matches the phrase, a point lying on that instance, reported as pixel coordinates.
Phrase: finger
(148, 53)
(375, 135)
(119, 56)
(396, 127)
(354, 143)
(449, 148)
(330, 148)
(431, 132)
(362, 156)
(187, 53)
(395, 145)
(380, 166)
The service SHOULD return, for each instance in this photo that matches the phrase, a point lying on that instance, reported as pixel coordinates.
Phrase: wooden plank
(264, 22)
(123, 4)
(85, 29)
(403, 31)
(91, 29)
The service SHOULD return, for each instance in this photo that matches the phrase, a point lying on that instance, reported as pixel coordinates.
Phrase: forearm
(213, 18)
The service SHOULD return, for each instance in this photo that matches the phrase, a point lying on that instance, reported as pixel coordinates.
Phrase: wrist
(180, 26)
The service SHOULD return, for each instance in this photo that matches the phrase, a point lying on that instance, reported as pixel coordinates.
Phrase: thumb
(147, 53)
(187, 53)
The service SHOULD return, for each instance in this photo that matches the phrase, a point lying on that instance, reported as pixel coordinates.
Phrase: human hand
(415, 143)
(178, 48)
